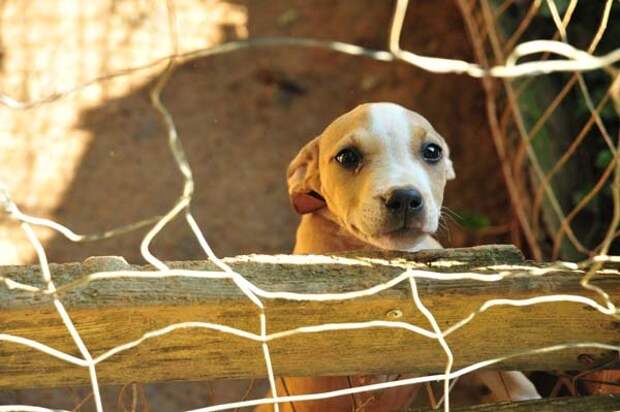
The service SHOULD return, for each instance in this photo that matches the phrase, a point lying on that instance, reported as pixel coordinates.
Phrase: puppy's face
(378, 171)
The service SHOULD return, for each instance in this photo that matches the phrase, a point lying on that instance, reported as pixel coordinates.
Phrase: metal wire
(508, 52)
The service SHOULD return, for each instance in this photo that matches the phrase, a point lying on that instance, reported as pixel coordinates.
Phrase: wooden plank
(108, 313)
(607, 403)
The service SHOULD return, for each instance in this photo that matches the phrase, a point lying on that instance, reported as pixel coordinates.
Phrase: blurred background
(98, 157)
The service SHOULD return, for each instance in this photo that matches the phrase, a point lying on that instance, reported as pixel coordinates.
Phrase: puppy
(374, 179)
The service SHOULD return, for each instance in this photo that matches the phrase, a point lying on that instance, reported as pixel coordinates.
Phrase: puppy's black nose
(405, 200)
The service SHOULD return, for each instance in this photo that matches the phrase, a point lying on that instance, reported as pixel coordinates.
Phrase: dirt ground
(243, 116)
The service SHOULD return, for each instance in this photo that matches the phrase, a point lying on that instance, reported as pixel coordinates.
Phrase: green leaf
(603, 158)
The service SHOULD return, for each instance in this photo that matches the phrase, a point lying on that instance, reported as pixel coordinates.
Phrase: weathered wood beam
(110, 312)
(605, 403)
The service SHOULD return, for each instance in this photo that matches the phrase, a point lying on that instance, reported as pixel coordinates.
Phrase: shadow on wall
(243, 116)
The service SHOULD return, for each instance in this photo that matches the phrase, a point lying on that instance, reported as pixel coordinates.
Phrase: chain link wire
(508, 66)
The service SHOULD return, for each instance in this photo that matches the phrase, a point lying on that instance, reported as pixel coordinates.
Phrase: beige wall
(99, 158)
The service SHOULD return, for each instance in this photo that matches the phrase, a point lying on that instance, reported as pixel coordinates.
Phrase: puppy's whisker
(444, 227)
(451, 217)
(448, 218)
(443, 224)
(451, 212)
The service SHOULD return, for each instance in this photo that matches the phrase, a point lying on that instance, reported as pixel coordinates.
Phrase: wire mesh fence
(560, 210)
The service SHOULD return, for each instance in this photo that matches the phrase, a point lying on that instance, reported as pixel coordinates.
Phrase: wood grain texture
(109, 312)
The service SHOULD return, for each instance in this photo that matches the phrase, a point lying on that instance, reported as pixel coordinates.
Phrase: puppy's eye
(349, 158)
(431, 152)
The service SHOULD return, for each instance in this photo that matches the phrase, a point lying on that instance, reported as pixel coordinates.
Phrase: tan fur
(318, 235)
(391, 139)
(345, 210)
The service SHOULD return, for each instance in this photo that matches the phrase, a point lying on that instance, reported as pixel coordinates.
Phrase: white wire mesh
(572, 59)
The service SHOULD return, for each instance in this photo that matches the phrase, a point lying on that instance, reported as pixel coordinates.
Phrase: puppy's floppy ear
(303, 179)
(449, 169)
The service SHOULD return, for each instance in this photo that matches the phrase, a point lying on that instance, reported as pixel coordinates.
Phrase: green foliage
(581, 172)
(603, 158)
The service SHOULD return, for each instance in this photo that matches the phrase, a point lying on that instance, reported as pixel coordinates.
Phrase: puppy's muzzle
(404, 204)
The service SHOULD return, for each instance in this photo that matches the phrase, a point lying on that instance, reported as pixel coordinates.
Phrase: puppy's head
(378, 171)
